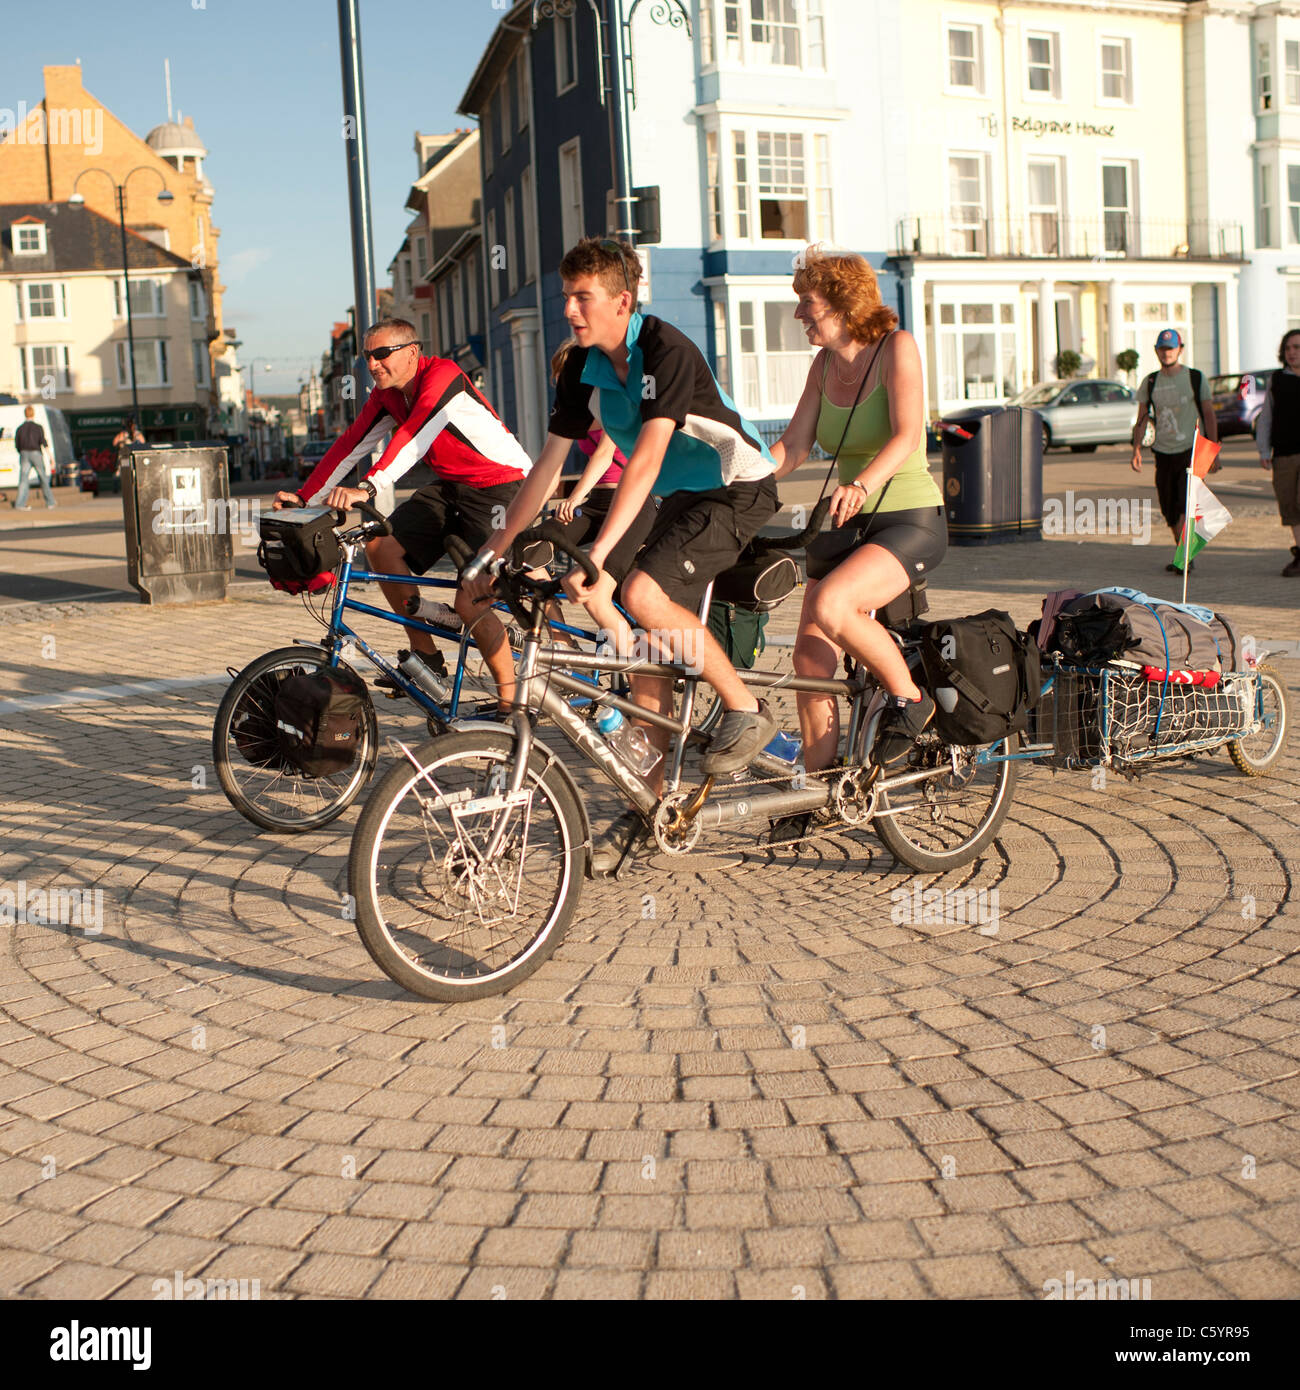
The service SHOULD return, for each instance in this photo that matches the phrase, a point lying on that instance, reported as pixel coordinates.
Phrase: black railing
(1050, 236)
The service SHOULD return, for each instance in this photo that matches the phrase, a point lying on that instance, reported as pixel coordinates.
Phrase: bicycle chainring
(670, 835)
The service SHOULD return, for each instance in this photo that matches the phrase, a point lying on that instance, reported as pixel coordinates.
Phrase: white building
(1046, 203)
(1243, 130)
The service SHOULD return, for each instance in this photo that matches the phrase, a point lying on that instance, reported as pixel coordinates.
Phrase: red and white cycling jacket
(449, 424)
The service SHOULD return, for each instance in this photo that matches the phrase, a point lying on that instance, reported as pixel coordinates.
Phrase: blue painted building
(760, 123)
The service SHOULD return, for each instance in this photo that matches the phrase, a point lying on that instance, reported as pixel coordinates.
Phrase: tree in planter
(1127, 361)
(1068, 363)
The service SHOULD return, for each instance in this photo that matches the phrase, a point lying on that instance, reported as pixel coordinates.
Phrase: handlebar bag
(319, 718)
(298, 548)
(985, 675)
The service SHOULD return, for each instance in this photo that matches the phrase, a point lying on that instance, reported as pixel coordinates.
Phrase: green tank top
(911, 487)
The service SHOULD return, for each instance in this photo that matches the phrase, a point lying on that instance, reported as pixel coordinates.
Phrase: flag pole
(1187, 512)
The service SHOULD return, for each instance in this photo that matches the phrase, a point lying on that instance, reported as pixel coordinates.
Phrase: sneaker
(485, 710)
(787, 828)
(741, 736)
(900, 726)
(1293, 568)
(622, 838)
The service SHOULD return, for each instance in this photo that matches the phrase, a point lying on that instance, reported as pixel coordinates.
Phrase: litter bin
(993, 475)
(176, 505)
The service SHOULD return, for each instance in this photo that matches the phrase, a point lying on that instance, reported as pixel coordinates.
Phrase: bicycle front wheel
(260, 783)
(953, 816)
(445, 907)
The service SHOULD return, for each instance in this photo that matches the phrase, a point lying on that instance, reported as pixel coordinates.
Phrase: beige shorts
(1286, 487)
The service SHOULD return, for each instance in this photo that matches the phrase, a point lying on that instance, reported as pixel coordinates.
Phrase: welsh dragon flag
(1207, 516)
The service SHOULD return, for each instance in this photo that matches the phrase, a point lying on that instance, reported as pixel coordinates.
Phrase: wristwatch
(368, 488)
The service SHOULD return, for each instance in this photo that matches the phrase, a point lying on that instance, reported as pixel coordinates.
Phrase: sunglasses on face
(378, 354)
(613, 246)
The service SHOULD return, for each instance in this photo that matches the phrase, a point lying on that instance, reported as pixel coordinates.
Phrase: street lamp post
(166, 196)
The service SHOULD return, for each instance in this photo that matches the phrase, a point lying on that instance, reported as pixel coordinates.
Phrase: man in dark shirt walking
(32, 446)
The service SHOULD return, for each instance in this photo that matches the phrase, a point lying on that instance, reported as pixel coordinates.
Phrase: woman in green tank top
(863, 397)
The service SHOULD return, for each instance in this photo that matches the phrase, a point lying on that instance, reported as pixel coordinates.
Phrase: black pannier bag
(299, 550)
(984, 674)
(1099, 627)
(253, 725)
(319, 717)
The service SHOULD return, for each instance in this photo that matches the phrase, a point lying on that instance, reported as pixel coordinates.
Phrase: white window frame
(1057, 210)
(31, 374)
(1133, 165)
(512, 242)
(566, 26)
(964, 229)
(975, 89)
(504, 121)
(1292, 204)
(1053, 93)
(708, 36)
(726, 36)
(21, 229)
(58, 301)
(715, 220)
(740, 191)
(1265, 203)
(1291, 71)
(162, 364)
(1127, 47)
(201, 361)
(755, 364)
(959, 300)
(524, 90)
(159, 309)
(421, 257)
(198, 301)
(1263, 75)
(528, 210)
(572, 212)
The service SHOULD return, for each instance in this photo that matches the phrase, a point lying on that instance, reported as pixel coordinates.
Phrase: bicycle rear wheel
(1257, 753)
(952, 817)
(260, 783)
(436, 914)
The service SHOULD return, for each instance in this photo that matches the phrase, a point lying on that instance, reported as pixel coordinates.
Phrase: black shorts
(916, 538)
(698, 535)
(440, 509)
(585, 527)
(1171, 484)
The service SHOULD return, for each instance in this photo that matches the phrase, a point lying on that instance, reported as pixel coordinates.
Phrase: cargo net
(1089, 716)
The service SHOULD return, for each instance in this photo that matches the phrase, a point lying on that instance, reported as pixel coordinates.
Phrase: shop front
(166, 424)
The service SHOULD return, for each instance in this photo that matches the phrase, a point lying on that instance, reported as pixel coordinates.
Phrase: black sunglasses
(609, 244)
(378, 354)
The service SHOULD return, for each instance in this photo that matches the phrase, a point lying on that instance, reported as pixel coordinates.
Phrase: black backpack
(1197, 378)
(299, 550)
(985, 676)
(319, 717)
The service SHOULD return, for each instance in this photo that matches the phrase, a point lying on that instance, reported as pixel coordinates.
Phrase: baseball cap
(1169, 338)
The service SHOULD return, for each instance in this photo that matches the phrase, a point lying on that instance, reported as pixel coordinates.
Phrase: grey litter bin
(176, 505)
(993, 475)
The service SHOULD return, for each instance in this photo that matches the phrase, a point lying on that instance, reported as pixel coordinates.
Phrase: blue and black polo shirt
(668, 379)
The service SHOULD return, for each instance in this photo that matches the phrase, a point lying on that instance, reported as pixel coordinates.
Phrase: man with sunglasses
(649, 388)
(426, 408)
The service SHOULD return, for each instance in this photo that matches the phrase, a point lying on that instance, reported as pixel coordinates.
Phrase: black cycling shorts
(443, 508)
(585, 527)
(917, 538)
(1171, 484)
(698, 535)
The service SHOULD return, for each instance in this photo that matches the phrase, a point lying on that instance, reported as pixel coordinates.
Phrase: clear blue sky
(263, 84)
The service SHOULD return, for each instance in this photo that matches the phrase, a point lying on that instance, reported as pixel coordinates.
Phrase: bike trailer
(298, 549)
(1150, 632)
(319, 719)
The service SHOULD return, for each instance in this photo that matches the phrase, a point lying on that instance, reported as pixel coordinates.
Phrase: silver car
(1082, 414)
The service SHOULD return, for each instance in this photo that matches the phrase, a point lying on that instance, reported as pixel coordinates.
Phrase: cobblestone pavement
(772, 1087)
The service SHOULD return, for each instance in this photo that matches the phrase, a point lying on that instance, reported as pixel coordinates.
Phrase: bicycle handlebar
(801, 538)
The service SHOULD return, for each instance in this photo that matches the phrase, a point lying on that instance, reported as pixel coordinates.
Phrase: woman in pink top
(582, 513)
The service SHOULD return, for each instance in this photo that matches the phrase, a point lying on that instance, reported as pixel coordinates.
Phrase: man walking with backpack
(1177, 399)
(32, 446)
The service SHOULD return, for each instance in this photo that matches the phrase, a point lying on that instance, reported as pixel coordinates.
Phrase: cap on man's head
(1169, 338)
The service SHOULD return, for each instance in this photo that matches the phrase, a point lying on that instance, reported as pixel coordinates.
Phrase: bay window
(151, 365)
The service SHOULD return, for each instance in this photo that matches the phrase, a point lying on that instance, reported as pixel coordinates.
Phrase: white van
(52, 421)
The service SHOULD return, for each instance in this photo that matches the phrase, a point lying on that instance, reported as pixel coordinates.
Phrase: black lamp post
(166, 196)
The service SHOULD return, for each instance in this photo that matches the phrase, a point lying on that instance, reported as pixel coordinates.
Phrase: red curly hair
(849, 285)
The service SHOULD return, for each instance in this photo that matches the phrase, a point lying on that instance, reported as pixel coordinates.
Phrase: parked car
(310, 455)
(1238, 399)
(1082, 414)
